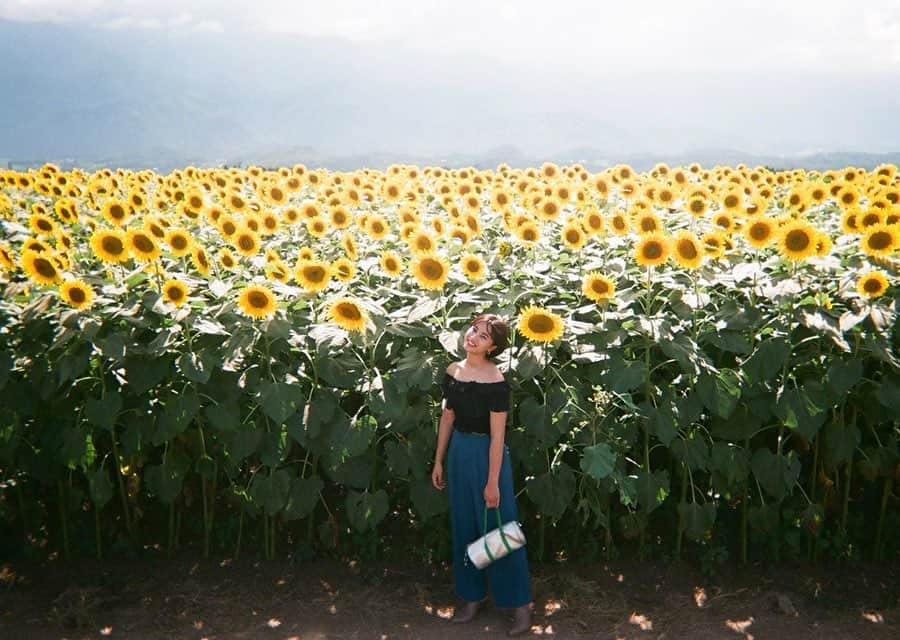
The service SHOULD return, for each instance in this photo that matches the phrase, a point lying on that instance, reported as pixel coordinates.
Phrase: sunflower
(651, 249)
(880, 240)
(312, 275)
(110, 246)
(40, 267)
(528, 233)
(41, 223)
(759, 231)
(226, 258)
(142, 245)
(598, 287)
(200, 259)
(647, 222)
(872, 284)
(687, 250)
(592, 221)
(619, 223)
(116, 212)
(823, 244)
(573, 236)
(391, 264)
(246, 241)
(343, 269)
(473, 266)
(724, 220)
(277, 270)
(797, 240)
(540, 325)
(697, 207)
(421, 242)
(348, 314)
(77, 294)
(377, 227)
(270, 222)
(847, 196)
(6, 259)
(714, 244)
(548, 209)
(257, 301)
(180, 242)
(430, 271)
(317, 227)
(340, 217)
(175, 291)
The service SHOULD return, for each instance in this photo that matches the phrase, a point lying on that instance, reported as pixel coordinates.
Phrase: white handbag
(497, 543)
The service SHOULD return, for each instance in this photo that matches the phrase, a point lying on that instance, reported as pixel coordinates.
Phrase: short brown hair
(499, 330)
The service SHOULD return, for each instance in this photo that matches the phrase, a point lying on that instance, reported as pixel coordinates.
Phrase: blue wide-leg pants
(467, 472)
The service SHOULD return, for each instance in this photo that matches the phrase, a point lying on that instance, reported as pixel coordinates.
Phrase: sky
(789, 76)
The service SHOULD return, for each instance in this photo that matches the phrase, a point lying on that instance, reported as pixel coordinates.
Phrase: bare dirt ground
(331, 600)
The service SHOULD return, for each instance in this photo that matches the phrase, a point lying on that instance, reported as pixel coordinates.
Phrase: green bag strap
(502, 535)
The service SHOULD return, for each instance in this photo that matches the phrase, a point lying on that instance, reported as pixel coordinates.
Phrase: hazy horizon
(222, 80)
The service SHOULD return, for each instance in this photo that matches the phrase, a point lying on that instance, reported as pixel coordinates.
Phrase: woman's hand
(437, 476)
(492, 495)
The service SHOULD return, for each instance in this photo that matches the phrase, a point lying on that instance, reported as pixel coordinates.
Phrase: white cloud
(691, 35)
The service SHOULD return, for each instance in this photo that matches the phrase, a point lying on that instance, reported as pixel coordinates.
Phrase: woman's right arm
(445, 428)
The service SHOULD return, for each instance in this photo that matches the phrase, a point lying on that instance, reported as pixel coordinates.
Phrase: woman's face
(478, 339)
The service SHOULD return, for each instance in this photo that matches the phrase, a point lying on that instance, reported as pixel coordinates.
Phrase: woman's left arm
(495, 459)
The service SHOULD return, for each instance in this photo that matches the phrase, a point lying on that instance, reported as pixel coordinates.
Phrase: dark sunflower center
(539, 324)
(652, 250)
(112, 245)
(348, 311)
(797, 240)
(687, 250)
(432, 269)
(314, 273)
(872, 285)
(45, 268)
(142, 243)
(77, 295)
(880, 240)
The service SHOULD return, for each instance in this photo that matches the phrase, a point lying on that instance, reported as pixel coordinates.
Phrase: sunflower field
(704, 361)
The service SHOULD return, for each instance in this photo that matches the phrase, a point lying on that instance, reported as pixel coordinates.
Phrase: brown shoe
(521, 621)
(467, 612)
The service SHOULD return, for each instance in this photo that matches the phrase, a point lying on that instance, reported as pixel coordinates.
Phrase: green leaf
(730, 466)
(273, 447)
(143, 373)
(889, 393)
(777, 474)
(342, 370)
(765, 518)
(6, 364)
(721, 392)
(841, 441)
(225, 416)
(179, 409)
(652, 489)
(741, 425)
(197, 365)
(103, 411)
(731, 342)
(112, 346)
(397, 455)
(843, 376)
(685, 352)
(553, 491)
(662, 423)
(270, 491)
(625, 376)
(427, 500)
(697, 520)
(767, 361)
(365, 510)
(352, 472)
(280, 400)
(206, 467)
(598, 461)
(799, 412)
(100, 487)
(303, 497)
(77, 447)
(244, 443)
(165, 480)
(537, 420)
(692, 451)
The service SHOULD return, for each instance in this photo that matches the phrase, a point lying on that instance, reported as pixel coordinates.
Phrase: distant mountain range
(147, 99)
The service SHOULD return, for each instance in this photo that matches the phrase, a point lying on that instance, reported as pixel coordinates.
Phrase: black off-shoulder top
(472, 402)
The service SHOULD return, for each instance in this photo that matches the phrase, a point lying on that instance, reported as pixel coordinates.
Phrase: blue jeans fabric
(467, 471)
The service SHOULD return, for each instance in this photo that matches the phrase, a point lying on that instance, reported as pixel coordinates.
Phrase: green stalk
(97, 533)
(123, 492)
(63, 517)
(680, 533)
(845, 507)
(237, 548)
(171, 544)
(886, 487)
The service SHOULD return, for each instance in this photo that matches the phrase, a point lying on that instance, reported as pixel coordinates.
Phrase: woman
(479, 472)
